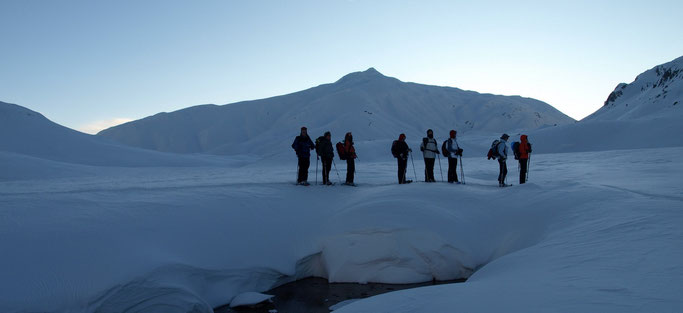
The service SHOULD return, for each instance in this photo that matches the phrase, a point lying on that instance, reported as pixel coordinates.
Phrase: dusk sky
(91, 64)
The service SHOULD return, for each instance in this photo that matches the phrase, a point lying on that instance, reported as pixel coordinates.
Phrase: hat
(453, 132)
(327, 133)
(402, 137)
(504, 137)
(303, 128)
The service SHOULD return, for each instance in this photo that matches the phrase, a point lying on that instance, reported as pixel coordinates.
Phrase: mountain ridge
(369, 103)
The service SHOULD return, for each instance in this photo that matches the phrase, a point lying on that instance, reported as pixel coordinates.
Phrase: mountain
(369, 104)
(32, 136)
(647, 113)
(657, 92)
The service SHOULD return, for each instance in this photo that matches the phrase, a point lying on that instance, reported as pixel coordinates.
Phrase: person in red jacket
(524, 150)
(350, 159)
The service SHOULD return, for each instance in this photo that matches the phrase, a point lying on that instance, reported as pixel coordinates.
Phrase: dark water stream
(316, 295)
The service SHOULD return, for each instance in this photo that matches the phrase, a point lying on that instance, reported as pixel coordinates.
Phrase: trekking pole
(440, 169)
(317, 158)
(411, 161)
(462, 172)
(335, 169)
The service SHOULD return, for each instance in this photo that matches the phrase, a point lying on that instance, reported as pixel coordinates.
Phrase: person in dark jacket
(454, 151)
(303, 145)
(350, 153)
(429, 150)
(400, 150)
(524, 150)
(324, 149)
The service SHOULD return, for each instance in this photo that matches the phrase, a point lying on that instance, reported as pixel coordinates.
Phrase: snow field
(591, 232)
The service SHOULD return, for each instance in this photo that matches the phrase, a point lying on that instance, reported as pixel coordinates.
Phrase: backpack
(515, 149)
(394, 149)
(341, 151)
(444, 148)
(317, 145)
(493, 152)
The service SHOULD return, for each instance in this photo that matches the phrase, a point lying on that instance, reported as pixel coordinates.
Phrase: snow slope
(29, 133)
(658, 92)
(646, 113)
(595, 233)
(371, 105)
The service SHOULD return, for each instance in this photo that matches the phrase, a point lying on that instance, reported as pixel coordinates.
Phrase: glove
(410, 150)
(458, 152)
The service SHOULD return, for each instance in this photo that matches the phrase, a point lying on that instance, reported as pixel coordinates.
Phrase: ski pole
(316, 169)
(462, 172)
(440, 169)
(335, 169)
(411, 161)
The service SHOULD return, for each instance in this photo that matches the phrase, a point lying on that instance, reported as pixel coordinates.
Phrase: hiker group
(521, 151)
(450, 149)
(303, 145)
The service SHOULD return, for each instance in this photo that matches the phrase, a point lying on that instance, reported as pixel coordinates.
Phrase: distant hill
(647, 113)
(29, 133)
(369, 104)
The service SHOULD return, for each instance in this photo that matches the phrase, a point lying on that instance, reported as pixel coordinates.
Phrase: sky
(89, 65)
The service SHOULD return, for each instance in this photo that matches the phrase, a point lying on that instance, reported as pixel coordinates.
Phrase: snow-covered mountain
(29, 133)
(647, 113)
(657, 92)
(372, 106)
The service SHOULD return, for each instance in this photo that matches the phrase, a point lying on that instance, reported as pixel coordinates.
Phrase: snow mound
(392, 256)
(369, 104)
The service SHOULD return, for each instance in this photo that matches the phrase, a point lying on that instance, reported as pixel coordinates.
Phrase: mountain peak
(364, 76)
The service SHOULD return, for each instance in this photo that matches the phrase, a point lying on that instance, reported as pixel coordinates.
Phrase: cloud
(97, 126)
